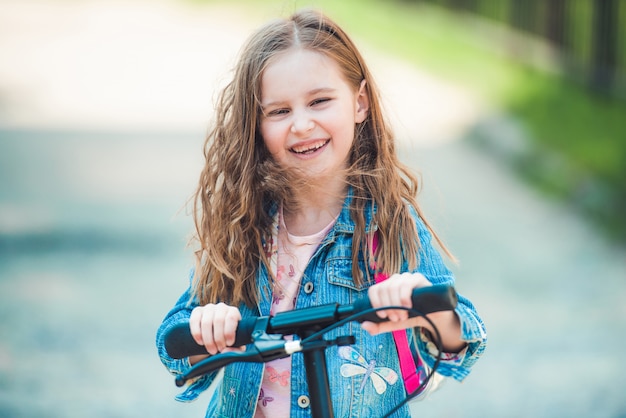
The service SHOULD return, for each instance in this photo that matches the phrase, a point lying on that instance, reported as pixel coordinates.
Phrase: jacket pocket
(340, 274)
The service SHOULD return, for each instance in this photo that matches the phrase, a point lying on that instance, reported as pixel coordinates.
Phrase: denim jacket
(357, 390)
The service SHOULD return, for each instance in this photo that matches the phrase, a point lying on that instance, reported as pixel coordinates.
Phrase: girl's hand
(396, 291)
(214, 326)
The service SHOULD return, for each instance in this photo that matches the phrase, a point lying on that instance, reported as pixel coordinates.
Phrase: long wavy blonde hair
(240, 180)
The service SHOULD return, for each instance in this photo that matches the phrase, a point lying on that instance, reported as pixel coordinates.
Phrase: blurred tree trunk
(469, 5)
(555, 22)
(604, 45)
(522, 15)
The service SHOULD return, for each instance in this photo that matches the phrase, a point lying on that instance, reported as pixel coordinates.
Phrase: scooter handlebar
(180, 344)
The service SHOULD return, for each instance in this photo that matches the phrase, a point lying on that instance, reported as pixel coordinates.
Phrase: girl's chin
(325, 177)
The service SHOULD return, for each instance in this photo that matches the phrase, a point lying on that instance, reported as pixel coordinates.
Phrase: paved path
(102, 113)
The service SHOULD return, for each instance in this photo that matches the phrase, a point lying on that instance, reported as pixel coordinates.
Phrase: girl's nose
(302, 124)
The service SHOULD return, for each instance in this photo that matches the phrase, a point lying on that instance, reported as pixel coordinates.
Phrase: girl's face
(309, 112)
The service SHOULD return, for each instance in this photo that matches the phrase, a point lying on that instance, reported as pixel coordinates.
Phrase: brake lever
(264, 348)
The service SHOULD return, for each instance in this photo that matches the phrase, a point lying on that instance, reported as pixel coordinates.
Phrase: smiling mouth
(310, 148)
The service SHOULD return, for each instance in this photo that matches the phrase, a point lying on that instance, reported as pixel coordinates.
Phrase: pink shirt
(288, 263)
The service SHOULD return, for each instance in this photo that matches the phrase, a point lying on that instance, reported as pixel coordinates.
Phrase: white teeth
(310, 148)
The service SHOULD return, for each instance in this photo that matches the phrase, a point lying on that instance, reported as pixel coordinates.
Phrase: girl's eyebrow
(309, 93)
(322, 90)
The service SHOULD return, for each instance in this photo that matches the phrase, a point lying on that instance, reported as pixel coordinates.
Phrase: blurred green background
(556, 67)
(517, 132)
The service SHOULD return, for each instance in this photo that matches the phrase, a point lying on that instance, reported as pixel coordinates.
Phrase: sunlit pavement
(103, 108)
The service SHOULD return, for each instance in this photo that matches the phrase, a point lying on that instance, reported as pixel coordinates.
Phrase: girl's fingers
(231, 322)
(217, 328)
(396, 291)
(225, 323)
(194, 325)
(214, 326)
(374, 295)
(206, 325)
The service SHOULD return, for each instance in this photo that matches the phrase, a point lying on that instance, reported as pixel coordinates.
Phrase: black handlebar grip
(434, 299)
(180, 344)
(425, 300)
(243, 335)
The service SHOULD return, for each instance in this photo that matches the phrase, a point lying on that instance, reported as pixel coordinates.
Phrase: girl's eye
(320, 101)
(278, 112)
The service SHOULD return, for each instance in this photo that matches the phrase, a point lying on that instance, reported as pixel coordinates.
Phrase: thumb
(371, 327)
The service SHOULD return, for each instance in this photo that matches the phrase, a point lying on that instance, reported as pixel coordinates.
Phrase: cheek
(271, 138)
(345, 137)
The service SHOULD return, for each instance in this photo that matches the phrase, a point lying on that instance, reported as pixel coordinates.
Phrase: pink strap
(408, 367)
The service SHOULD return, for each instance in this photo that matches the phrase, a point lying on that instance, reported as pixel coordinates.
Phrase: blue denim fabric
(353, 391)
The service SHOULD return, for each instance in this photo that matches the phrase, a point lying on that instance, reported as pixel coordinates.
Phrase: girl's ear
(362, 103)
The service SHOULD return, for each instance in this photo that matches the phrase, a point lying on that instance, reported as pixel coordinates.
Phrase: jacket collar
(345, 224)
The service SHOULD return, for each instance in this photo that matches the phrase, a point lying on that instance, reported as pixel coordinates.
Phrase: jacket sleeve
(180, 313)
(456, 365)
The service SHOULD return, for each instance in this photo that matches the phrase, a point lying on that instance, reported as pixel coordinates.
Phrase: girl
(302, 201)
